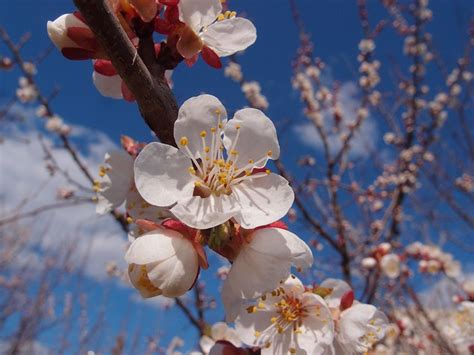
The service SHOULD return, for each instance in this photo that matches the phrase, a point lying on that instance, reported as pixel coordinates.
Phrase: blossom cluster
(431, 259)
(298, 319)
(211, 191)
(403, 334)
(188, 28)
(27, 93)
(383, 258)
(214, 192)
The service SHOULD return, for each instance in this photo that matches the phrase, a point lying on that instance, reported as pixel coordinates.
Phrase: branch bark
(154, 97)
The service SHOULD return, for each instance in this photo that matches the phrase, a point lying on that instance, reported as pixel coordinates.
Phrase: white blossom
(162, 262)
(233, 71)
(390, 265)
(206, 188)
(54, 124)
(207, 27)
(288, 320)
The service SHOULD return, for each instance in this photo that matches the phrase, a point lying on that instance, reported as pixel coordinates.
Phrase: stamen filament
(246, 177)
(198, 166)
(251, 165)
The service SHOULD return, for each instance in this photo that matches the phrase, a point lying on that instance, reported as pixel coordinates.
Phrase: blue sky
(335, 29)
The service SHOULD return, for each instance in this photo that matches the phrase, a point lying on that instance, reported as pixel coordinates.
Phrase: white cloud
(364, 140)
(23, 175)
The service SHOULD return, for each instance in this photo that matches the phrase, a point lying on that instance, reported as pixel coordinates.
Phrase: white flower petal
(233, 337)
(206, 344)
(161, 175)
(233, 304)
(390, 265)
(247, 323)
(117, 182)
(177, 274)
(293, 286)
(219, 330)
(354, 324)
(253, 273)
(197, 114)
(152, 247)
(283, 244)
(199, 13)
(281, 345)
(257, 137)
(108, 86)
(230, 36)
(266, 261)
(263, 200)
(339, 288)
(138, 208)
(308, 341)
(319, 328)
(202, 213)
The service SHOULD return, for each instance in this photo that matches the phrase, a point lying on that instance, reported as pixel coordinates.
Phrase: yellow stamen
(184, 141)
(251, 309)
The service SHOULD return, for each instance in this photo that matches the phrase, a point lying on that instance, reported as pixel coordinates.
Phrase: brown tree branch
(194, 321)
(154, 97)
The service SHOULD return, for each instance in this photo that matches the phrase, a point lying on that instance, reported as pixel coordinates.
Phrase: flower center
(215, 173)
(290, 311)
